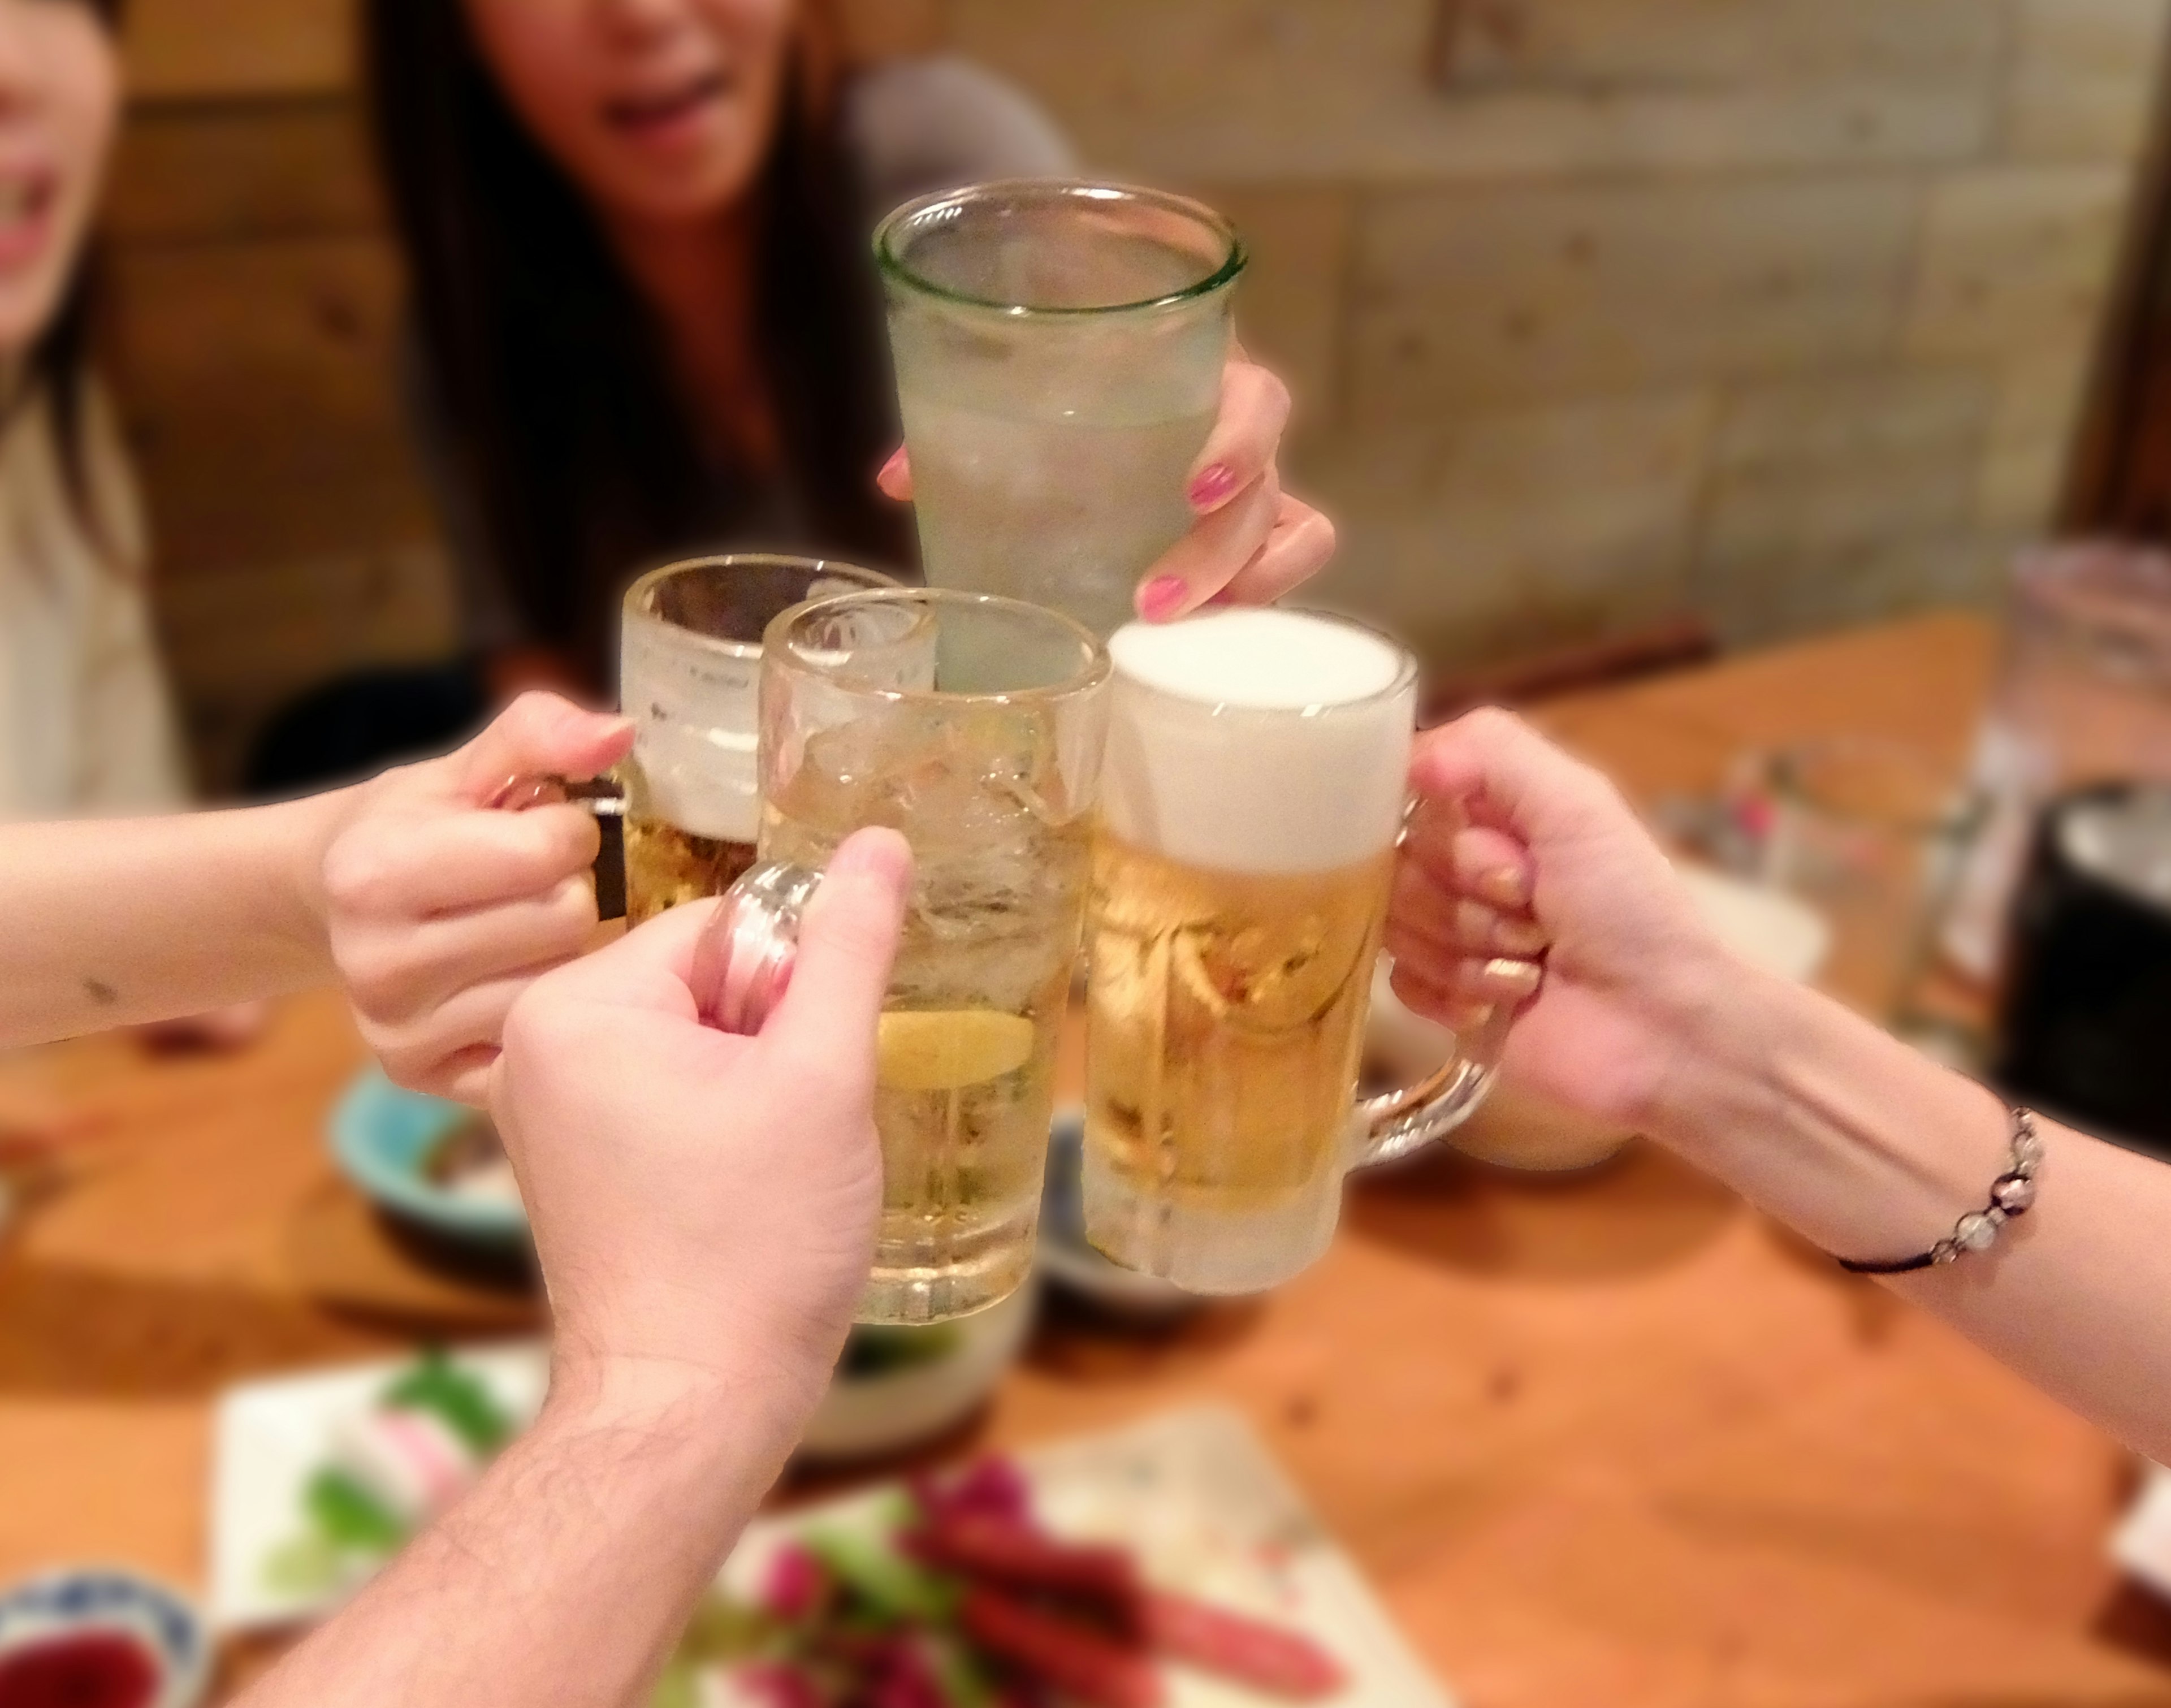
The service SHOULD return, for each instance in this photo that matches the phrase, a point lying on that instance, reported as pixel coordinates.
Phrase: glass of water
(974, 725)
(1059, 348)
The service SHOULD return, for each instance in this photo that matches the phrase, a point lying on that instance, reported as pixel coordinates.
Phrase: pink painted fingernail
(1161, 598)
(1216, 482)
(893, 468)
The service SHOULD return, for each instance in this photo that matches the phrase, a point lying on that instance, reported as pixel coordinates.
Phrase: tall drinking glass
(689, 665)
(985, 752)
(1252, 800)
(1058, 349)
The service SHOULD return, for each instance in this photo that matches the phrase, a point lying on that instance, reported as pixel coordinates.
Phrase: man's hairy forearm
(109, 922)
(568, 1572)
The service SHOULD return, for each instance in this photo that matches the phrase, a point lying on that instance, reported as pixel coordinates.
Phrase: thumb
(539, 734)
(847, 942)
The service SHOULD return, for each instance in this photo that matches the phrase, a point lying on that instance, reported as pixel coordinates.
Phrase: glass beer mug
(689, 667)
(1252, 794)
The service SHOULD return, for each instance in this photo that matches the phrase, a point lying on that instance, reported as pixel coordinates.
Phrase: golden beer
(1228, 1014)
(1251, 802)
(689, 672)
(665, 866)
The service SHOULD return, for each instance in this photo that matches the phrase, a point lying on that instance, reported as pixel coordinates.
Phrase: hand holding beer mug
(1253, 794)
(688, 672)
(974, 725)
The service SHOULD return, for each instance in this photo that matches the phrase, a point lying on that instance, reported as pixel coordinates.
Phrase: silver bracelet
(2010, 1195)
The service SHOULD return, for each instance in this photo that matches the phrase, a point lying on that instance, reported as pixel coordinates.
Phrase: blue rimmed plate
(90, 1601)
(382, 1136)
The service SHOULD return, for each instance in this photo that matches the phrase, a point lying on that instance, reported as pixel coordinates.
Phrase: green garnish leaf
(889, 1585)
(456, 1398)
(349, 1516)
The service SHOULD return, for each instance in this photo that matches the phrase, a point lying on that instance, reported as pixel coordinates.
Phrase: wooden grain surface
(1609, 1441)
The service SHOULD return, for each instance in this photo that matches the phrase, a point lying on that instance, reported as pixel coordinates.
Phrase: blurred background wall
(1780, 312)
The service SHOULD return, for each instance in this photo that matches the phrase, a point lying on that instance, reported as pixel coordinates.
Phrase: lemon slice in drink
(943, 1049)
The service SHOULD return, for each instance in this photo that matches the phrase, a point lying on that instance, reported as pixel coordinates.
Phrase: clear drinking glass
(975, 726)
(689, 665)
(1254, 798)
(1058, 349)
(1871, 834)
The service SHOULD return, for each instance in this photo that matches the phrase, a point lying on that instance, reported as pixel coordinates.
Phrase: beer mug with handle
(1253, 796)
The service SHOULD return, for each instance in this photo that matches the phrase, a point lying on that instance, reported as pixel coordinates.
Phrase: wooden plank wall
(252, 306)
(1597, 310)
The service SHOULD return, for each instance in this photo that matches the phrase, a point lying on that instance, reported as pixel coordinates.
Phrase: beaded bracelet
(2010, 1195)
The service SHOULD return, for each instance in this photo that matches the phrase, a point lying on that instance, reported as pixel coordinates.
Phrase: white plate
(2141, 1543)
(1208, 1513)
(269, 1438)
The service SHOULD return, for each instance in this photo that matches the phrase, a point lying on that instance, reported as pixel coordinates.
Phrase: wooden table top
(1612, 1440)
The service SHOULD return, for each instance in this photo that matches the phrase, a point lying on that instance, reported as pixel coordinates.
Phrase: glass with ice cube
(1059, 348)
(972, 725)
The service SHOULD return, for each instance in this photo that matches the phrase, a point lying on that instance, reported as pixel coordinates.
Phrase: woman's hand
(1527, 879)
(698, 1198)
(1250, 541)
(441, 909)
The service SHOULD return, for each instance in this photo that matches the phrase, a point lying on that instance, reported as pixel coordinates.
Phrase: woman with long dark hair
(84, 723)
(648, 320)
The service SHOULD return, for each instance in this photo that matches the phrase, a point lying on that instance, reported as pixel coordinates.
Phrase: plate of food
(1168, 1565)
(316, 1480)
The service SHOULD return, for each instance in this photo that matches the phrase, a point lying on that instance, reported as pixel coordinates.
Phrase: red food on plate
(1266, 1656)
(1019, 1554)
(1060, 1652)
(82, 1669)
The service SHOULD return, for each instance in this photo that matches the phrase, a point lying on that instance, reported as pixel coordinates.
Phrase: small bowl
(381, 1137)
(1072, 1264)
(866, 1417)
(95, 1600)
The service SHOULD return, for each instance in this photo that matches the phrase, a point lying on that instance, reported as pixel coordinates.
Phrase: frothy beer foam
(1258, 741)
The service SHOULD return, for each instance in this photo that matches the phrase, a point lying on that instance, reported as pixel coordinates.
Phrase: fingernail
(1161, 598)
(1503, 887)
(1216, 482)
(1511, 980)
(890, 468)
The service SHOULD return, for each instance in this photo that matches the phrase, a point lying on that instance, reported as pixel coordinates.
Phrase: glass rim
(632, 609)
(1788, 769)
(777, 653)
(892, 266)
(1406, 675)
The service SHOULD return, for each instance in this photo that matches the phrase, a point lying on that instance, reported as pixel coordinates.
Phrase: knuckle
(360, 873)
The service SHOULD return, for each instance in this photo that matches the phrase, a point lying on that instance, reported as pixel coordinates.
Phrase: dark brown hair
(59, 365)
(566, 430)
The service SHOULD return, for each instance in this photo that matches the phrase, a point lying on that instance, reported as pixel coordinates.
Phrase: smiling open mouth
(642, 114)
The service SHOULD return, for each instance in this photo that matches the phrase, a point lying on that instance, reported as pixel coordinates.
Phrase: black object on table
(2085, 1027)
